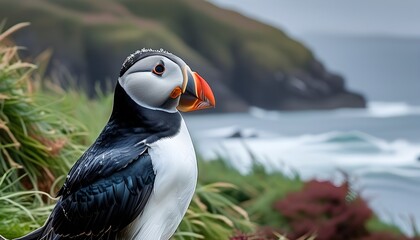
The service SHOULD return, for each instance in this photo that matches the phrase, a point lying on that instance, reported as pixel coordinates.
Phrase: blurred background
(325, 90)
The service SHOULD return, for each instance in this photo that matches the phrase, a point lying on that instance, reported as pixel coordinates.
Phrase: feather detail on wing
(106, 205)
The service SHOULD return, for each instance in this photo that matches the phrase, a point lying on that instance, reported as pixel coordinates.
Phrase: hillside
(246, 62)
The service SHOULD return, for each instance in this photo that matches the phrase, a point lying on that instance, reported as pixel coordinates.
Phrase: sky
(298, 17)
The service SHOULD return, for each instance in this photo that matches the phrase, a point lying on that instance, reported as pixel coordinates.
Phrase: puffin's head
(159, 80)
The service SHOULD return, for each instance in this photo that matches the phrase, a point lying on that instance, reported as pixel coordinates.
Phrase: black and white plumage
(137, 179)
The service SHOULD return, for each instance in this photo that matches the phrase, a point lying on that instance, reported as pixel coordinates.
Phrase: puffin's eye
(159, 69)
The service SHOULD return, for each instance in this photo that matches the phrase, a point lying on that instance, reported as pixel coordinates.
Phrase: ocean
(378, 147)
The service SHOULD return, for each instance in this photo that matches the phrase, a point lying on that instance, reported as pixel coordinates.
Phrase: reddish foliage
(326, 211)
(262, 234)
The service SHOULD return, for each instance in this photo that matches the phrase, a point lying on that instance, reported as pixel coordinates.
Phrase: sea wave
(263, 113)
(374, 109)
(323, 153)
(391, 109)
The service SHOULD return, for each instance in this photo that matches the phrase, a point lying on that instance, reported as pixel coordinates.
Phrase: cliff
(247, 63)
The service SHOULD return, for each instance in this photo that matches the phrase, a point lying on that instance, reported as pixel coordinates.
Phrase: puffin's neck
(129, 116)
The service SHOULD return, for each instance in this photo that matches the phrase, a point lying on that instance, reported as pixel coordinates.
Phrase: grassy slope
(213, 33)
(92, 38)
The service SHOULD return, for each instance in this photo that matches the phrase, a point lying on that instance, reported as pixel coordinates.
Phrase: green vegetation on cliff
(243, 60)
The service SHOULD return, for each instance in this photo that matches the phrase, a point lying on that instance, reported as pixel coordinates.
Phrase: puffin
(137, 179)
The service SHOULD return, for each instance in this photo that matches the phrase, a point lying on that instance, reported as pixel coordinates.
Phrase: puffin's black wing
(105, 206)
(113, 151)
(106, 189)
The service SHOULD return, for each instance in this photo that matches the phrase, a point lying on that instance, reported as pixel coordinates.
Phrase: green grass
(20, 211)
(33, 138)
(376, 225)
(37, 145)
(256, 191)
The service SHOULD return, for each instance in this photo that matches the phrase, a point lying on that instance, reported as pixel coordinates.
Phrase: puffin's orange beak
(197, 94)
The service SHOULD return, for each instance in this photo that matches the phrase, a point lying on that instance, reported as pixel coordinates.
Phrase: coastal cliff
(247, 63)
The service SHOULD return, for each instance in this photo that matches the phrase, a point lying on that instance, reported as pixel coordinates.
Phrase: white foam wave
(392, 109)
(312, 155)
(263, 113)
(373, 109)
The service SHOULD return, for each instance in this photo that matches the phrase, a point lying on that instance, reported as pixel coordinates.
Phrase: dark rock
(243, 134)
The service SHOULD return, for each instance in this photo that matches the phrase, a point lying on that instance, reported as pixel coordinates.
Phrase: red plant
(262, 234)
(326, 211)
